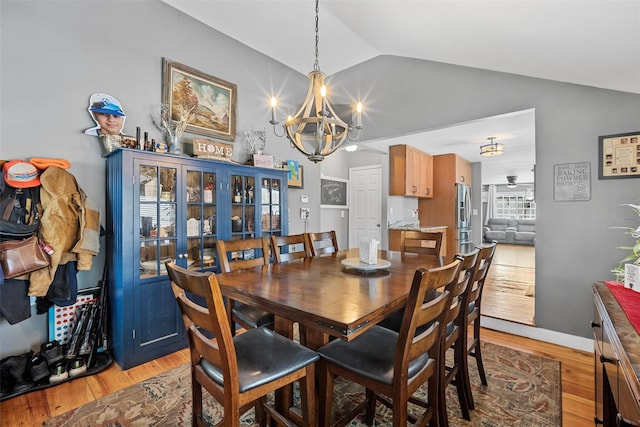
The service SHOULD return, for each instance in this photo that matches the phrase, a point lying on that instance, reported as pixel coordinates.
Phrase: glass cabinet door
(270, 214)
(157, 218)
(243, 207)
(202, 209)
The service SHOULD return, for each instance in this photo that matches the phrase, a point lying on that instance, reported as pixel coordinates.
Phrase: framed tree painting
(209, 102)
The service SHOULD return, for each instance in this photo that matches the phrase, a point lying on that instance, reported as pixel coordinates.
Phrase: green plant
(634, 251)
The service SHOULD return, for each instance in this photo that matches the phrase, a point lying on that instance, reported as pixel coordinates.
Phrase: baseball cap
(106, 104)
(20, 174)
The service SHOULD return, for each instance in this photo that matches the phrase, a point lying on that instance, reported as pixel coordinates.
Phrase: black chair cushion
(252, 316)
(263, 356)
(371, 355)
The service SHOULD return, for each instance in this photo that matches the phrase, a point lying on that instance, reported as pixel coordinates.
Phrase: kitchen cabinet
(448, 170)
(410, 172)
(164, 207)
(616, 361)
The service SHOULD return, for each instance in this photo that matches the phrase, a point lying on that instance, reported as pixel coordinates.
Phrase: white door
(365, 204)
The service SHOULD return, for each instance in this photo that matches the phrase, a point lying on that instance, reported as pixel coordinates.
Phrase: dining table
(332, 295)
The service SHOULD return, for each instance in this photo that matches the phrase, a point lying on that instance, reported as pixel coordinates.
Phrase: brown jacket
(70, 224)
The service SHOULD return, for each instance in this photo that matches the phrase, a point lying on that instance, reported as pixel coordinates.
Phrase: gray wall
(54, 55)
(574, 245)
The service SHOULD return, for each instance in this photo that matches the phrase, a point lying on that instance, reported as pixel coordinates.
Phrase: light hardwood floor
(32, 408)
(509, 291)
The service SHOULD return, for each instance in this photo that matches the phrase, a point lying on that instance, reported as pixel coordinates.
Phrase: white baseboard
(559, 338)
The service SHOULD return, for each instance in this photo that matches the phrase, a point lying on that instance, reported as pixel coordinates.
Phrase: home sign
(206, 148)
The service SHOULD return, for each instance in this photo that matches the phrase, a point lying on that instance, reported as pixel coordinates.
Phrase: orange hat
(20, 174)
(43, 163)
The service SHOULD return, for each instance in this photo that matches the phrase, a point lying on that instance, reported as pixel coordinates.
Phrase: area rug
(523, 390)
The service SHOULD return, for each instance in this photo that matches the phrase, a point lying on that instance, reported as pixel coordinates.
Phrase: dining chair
(284, 247)
(421, 242)
(231, 256)
(453, 337)
(394, 364)
(237, 371)
(473, 348)
(324, 242)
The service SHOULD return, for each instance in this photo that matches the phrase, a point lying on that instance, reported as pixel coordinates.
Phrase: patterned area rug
(523, 390)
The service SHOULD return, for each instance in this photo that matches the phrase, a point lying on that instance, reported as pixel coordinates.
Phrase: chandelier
(492, 148)
(316, 130)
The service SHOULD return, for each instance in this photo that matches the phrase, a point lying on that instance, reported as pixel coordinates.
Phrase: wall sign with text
(572, 182)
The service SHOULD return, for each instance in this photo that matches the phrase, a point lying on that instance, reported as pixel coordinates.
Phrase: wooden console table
(617, 362)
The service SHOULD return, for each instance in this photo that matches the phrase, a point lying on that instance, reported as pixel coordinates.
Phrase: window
(515, 205)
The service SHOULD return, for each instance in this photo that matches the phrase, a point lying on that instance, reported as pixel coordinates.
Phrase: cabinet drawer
(628, 401)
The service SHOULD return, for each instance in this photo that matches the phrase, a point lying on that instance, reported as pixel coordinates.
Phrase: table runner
(629, 300)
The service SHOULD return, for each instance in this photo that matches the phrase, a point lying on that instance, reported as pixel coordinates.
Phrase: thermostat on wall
(304, 198)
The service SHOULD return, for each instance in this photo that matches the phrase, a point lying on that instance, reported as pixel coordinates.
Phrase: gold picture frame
(211, 100)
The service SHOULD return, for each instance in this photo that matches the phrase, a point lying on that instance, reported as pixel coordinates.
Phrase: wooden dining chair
(394, 364)
(231, 256)
(324, 242)
(286, 248)
(237, 371)
(421, 242)
(455, 321)
(472, 309)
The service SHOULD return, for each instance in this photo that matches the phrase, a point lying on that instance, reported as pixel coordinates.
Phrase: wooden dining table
(326, 298)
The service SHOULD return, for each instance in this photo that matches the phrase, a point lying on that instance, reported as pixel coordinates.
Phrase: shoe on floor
(52, 352)
(58, 373)
(38, 368)
(77, 367)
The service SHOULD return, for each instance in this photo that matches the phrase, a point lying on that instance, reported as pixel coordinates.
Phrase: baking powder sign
(572, 181)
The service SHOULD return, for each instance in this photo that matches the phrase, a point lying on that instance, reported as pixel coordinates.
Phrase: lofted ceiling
(588, 42)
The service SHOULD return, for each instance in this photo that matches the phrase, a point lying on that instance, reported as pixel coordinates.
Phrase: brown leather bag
(18, 257)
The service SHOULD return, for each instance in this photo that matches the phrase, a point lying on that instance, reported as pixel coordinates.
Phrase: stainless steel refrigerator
(464, 241)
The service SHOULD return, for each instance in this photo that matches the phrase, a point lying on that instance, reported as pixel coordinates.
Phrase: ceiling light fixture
(351, 148)
(511, 181)
(316, 130)
(492, 148)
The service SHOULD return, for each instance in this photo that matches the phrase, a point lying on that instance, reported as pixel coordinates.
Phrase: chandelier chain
(316, 65)
(316, 130)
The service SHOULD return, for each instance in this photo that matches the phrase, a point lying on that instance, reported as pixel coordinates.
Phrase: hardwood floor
(33, 408)
(509, 291)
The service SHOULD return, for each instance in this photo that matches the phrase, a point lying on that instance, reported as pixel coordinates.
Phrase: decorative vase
(175, 145)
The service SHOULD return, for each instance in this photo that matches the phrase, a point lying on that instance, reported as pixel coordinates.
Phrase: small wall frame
(619, 156)
(333, 192)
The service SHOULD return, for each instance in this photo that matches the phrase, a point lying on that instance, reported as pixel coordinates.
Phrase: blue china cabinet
(164, 207)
